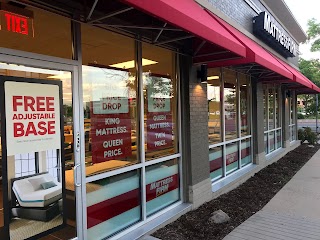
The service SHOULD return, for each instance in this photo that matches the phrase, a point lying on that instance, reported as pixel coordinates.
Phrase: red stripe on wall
(105, 210)
(217, 163)
(112, 207)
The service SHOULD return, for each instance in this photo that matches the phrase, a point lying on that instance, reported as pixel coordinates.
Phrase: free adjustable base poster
(32, 158)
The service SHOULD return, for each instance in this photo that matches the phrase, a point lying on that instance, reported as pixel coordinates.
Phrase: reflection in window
(271, 109)
(160, 102)
(232, 157)
(113, 204)
(272, 106)
(44, 37)
(245, 102)
(246, 157)
(214, 113)
(230, 104)
(216, 162)
(109, 99)
(110, 125)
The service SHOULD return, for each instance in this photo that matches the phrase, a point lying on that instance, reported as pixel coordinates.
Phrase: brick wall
(198, 129)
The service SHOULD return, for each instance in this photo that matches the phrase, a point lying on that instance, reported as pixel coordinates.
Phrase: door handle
(75, 171)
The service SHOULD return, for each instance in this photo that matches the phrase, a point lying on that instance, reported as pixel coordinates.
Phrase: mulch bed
(240, 203)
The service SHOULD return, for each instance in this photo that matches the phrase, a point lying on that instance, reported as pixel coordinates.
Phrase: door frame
(55, 63)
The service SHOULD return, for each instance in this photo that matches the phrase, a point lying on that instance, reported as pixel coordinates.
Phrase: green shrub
(300, 116)
(307, 134)
(301, 135)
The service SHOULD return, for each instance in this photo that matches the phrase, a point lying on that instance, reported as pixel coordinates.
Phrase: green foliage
(311, 69)
(300, 116)
(301, 135)
(313, 33)
(307, 134)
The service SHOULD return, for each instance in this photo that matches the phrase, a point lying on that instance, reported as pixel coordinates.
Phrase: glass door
(40, 188)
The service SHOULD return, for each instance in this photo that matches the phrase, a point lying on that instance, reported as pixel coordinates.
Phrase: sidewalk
(292, 214)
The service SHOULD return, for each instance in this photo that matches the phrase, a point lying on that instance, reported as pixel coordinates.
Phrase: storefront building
(119, 116)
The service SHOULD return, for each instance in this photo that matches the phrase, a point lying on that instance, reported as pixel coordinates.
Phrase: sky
(303, 10)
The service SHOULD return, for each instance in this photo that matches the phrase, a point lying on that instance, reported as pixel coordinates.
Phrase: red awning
(189, 16)
(255, 53)
(307, 85)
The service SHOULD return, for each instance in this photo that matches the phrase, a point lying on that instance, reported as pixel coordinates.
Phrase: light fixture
(288, 94)
(202, 73)
(213, 78)
(131, 64)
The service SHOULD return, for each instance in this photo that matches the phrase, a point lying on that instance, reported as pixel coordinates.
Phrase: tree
(313, 33)
(311, 69)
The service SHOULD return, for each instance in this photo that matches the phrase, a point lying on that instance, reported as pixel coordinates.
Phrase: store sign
(159, 118)
(162, 186)
(16, 20)
(110, 129)
(32, 116)
(271, 32)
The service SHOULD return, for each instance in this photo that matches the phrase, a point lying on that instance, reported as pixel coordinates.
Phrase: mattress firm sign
(159, 118)
(32, 117)
(271, 32)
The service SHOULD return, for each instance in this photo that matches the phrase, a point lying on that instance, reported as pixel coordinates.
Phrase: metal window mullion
(141, 131)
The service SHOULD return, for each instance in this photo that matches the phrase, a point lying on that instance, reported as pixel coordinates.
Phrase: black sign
(270, 31)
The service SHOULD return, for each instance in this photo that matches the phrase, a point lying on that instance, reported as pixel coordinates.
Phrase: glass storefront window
(162, 187)
(246, 157)
(271, 109)
(271, 141)
(160, 98)
(265, 109)
(279, 139)
(214, 105)
(266, 142)
(230, 104)
(117, 119)
(236, 121)
(232, 157)
(113, 204)
(272, 118)
(109, 95)
(43, 32)
(277, 110)
(216, 162)
(245, 102)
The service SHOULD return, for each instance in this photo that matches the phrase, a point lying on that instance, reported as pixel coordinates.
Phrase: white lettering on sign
(271, 27)
(109, 131)
(112, 153)
(159, 125)
(161, 186)
(160, 143)
(111, 105)
(111, 121)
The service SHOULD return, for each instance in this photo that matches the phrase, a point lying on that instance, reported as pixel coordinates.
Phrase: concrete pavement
(293, 213)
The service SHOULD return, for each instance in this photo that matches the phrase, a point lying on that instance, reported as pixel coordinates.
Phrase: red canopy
(255, 53)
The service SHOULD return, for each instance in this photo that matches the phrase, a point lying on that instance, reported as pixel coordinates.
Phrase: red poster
(110, 133)
(159, 130)
(159, 116)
